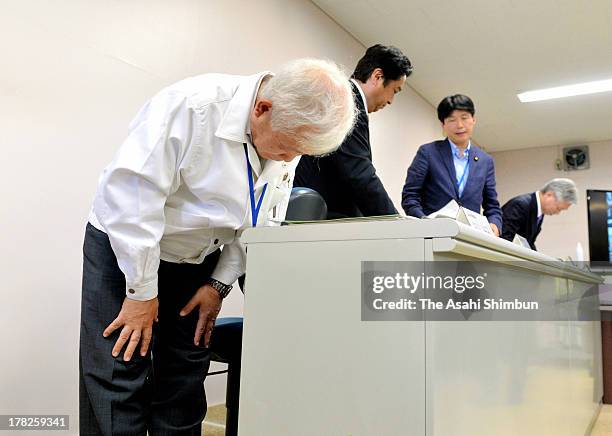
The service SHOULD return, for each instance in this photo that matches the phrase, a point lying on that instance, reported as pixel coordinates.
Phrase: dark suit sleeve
(514, 215)
(411, 194)
(490, 204)
(355, 170)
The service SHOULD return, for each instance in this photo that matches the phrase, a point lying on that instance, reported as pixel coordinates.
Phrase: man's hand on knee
(136, 318)
(209, 302)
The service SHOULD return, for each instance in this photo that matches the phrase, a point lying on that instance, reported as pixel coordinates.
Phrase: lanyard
(254, 209)
(465, 170)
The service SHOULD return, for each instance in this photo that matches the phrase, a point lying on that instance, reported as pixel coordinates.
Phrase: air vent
(576, 158)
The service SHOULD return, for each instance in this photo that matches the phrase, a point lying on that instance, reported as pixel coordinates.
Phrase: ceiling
(493, 49)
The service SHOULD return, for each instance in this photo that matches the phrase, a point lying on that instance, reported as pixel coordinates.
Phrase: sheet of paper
(451, 210)
(475, 220)
(521, 241)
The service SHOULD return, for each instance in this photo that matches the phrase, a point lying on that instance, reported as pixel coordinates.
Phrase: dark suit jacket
(347, 178)
(431, 183)
(521, 216)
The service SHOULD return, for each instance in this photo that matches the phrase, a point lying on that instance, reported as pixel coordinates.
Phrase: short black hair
(389, 59)
(451, 103)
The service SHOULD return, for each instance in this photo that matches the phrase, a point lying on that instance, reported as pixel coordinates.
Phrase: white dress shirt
(363, 97)
(537, 194)
(178, 187)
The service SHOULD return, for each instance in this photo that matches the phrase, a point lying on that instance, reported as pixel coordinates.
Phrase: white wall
(73, 75)
(396, 133)
(521, 171)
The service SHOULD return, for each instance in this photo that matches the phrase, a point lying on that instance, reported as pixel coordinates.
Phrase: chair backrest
(306, 204)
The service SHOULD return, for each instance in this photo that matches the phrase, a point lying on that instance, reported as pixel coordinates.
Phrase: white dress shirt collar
(363, 98)
(235, 125)
(537, 193)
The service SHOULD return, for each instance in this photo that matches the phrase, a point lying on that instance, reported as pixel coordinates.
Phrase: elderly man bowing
(204, 158)
(524, 214)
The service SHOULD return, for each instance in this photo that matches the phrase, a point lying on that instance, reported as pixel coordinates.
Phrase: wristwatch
(221, 288)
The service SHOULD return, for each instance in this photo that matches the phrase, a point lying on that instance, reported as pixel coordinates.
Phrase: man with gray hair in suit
(524, 214)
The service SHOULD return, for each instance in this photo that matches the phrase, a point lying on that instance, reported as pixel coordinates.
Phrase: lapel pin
(476, 158)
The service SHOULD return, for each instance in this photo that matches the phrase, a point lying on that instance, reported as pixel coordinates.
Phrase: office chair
(306, 205)
(226, 338)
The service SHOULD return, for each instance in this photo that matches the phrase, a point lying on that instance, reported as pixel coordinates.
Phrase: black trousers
(161, 393)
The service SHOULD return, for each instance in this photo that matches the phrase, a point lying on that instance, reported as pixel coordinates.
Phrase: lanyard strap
(465, 170)
(254, 209)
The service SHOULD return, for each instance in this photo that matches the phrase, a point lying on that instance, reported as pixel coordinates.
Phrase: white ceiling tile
(493, 49)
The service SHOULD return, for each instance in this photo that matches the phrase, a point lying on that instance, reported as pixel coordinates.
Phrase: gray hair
(312, 99)
(564, 190)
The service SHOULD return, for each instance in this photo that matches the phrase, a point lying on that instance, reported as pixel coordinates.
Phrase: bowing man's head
(306, 108)
(381, 74)
(558, 195)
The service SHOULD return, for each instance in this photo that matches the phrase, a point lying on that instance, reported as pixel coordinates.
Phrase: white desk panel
(312, 367)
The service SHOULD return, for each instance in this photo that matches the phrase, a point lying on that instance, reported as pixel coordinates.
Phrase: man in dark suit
(453, 169)
(524, 214)
(347, 178)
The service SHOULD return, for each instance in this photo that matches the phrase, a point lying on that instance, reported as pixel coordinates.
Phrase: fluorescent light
(566, 91)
